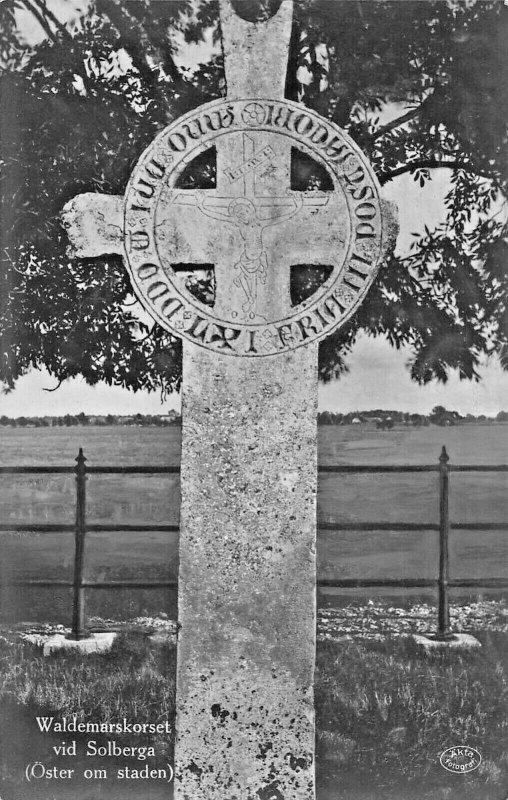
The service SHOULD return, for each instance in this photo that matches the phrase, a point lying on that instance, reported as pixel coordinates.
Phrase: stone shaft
(245, 717)
(255, 56)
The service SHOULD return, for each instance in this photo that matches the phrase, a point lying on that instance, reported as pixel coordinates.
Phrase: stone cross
(247, 597)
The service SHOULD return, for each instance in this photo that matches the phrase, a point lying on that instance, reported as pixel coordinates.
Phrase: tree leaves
(80, 108)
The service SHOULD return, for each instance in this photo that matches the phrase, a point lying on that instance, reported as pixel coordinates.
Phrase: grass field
(384, 713)
(130, 499)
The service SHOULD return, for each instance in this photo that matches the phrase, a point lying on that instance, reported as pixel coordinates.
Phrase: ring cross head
(252, 227)
(256, 226)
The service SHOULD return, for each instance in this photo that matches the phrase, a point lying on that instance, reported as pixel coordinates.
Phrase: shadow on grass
(384, 713)
(134, 680)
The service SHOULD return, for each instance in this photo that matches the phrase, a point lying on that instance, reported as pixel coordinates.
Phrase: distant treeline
(388, 419)
(381, 418)
(100, 420)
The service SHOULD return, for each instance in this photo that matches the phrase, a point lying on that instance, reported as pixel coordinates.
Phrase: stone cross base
(245, 716)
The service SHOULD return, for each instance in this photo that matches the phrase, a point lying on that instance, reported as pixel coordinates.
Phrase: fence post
(78, 606)
(443, 629)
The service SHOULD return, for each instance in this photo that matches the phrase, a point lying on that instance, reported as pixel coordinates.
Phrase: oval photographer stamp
(460, 759)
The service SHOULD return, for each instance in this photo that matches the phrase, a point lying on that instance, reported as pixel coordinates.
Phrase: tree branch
(160, 49)
(432, 163)
(396, 123)
(292, 86)
(48, 15)
(138, 44)
(42, 13)
(40, 19)
(44, 389)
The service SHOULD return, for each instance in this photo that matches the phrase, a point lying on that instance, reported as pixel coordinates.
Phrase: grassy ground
(384, 709)
(385, 712)
(135, 679)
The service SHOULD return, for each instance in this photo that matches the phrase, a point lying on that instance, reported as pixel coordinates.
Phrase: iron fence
(443, 582)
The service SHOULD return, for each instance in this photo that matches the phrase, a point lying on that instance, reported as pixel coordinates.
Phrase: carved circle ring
(355, 236)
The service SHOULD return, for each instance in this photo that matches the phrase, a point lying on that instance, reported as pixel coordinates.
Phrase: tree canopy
(79, 108)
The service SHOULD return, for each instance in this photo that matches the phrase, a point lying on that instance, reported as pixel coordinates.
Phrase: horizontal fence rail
(80, 528)
(49, 527)
(38, 527)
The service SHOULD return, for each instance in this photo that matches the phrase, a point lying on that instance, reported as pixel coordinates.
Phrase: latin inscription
(166, 298)
(257, 160)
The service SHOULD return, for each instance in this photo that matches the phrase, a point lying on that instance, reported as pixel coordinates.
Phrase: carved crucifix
(251, 196)
(245, 719)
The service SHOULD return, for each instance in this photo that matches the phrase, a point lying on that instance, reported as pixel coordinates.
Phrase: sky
(378, 377)
(65, 10)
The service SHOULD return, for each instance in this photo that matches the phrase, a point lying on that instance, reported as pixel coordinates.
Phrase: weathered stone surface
(95, 643)
(256, 54)
(94, 224)
(460, 641)
(245, 717)
(253, 227)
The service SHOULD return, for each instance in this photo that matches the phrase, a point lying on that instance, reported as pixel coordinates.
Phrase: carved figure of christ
(255, 211)
(252, 265)
(249, 285)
